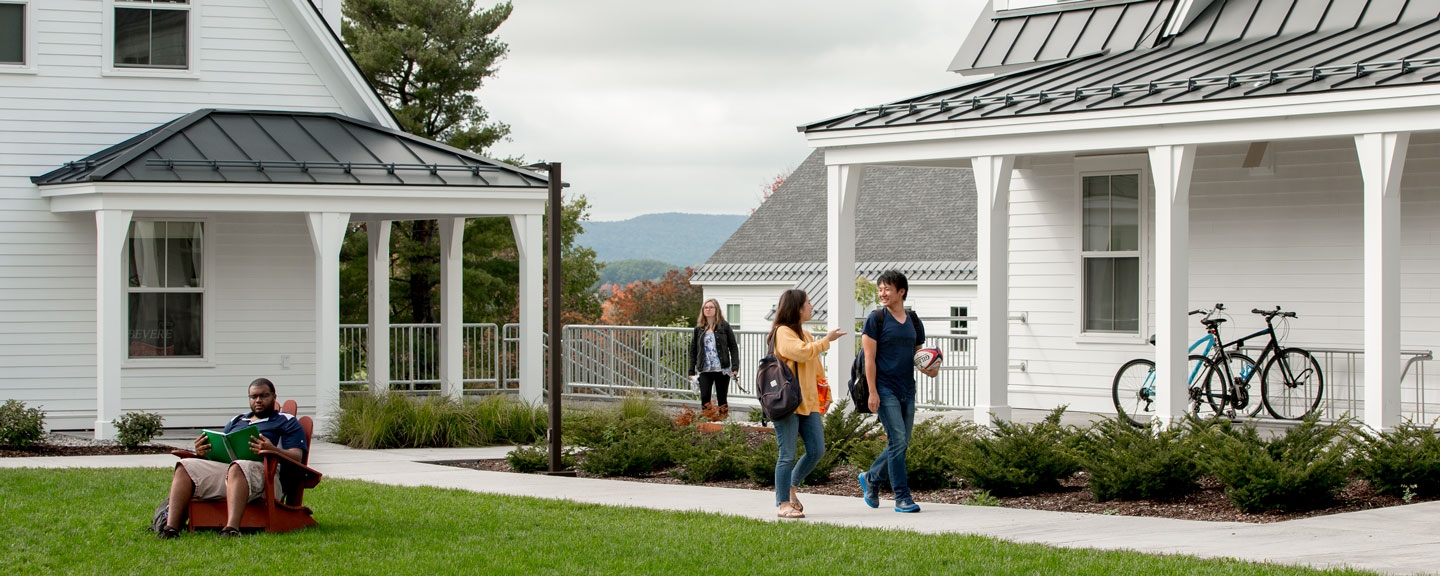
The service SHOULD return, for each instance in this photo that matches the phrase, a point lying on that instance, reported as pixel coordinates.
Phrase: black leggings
(722, 387)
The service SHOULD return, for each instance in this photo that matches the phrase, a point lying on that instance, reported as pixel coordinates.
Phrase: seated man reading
(241, 481)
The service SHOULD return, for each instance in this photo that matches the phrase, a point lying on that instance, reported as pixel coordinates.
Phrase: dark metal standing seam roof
(243, 146)
(1235, 49)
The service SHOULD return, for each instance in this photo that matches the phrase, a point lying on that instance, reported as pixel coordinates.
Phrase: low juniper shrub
(1126, 462)
(135, 428)
(1300, 470)
(934, 453)
(537, 459)
(759, 463)
(717, 456)
(20, 426)
(1020, 459)
(1403, 460)
(845, 430)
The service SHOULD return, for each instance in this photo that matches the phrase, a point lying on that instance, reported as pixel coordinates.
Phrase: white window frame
(107, 44)
(207, 303)
(27, 67)
(732, 315)
(1108, 166)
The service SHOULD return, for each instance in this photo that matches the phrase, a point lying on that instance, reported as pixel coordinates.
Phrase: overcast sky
(685, 106)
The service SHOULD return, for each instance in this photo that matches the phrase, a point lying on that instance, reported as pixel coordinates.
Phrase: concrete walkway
(1396, 540)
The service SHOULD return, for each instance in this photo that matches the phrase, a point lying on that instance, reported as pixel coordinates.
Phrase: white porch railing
(610, 361)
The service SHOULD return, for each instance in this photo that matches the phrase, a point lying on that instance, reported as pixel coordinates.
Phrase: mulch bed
(1209, 503)
(95, 450)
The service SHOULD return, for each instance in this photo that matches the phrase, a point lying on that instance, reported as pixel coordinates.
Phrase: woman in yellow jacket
(794, 346)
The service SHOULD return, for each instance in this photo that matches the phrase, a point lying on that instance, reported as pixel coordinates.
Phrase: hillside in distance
(671, 237)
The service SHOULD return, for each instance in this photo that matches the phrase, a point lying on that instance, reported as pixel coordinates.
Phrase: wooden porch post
(1171, 167)
(111, 228)
(327, 234)
(378, 332)
(992, 250)
(843, 185)
(452, 350)
(526, 228)
(1382, 160)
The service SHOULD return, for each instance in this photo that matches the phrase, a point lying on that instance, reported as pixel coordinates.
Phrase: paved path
(1396, 540)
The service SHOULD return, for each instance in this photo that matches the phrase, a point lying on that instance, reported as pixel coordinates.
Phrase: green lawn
(94, 522)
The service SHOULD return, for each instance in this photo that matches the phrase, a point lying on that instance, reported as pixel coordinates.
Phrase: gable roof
(257, 147)
(328, 38)
(903, 213)
(1232, 50)
(920, 221)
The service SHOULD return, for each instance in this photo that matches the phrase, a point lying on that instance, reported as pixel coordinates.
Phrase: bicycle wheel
(1242, 371)
(1292, 384)
(1208, 394)
(1134, 391)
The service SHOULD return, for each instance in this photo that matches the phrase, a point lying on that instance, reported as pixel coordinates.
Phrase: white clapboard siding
(249, 54)
(1292, 238)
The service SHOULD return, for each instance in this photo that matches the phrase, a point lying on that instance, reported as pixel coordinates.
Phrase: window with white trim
(152, 34)
(166, 290)
(14, 40)
(959, 327)
(1111, 252)
(732, 315)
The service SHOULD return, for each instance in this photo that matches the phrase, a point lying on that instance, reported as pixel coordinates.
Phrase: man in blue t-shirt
(890, 338)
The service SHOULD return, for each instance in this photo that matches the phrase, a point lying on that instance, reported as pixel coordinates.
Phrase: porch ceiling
(1234, 51)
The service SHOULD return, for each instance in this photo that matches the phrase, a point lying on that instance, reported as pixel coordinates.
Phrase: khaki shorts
(209, 477)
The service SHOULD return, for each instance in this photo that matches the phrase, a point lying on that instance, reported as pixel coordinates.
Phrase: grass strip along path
(74, 521)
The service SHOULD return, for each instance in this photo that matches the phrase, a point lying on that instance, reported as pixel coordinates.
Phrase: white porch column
(327, 234)
(843, 190)
(992, 250)
(378, 332)
(1171, 167)
(1382, 160)
(111, 228)
(452, 299)
(530, 246)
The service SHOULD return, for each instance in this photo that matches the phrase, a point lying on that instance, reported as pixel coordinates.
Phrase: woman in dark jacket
(714, 355)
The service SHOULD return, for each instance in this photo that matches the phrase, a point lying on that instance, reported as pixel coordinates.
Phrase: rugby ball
(927, 358)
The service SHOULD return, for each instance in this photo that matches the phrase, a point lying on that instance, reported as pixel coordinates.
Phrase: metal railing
(611, 361)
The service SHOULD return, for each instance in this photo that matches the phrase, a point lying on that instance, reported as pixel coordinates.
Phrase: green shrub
(719, 456)
(1300, 470)
(631, 455)
(845, 431)
(1019, 459)
(934, 453)
(537, 459)
(598, 426)
(1127, 462)
(1403, 460)
(135, 428)
(398, 421)
(20, 426)
(758, 463)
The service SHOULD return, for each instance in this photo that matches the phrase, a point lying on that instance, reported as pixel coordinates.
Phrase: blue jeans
(897, 416)
(811, 429)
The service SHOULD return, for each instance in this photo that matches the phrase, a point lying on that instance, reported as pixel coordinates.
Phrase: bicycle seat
(1212, 322)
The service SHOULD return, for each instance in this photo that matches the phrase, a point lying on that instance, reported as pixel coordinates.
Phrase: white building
(175, 181)
(1136, 159)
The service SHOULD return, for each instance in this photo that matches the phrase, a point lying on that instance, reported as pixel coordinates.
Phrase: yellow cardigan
(804, 350)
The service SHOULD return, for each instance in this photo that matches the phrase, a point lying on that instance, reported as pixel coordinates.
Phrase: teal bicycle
(1219, 379)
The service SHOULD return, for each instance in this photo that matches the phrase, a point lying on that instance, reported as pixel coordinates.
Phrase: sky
(684, 106)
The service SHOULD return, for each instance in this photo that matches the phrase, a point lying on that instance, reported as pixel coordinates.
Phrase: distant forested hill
(673, 238)
(622, 272)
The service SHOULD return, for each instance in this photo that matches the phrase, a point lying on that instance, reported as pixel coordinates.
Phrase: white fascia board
(339, 63)
(1400, 109)
(744, 283)
(394, 200)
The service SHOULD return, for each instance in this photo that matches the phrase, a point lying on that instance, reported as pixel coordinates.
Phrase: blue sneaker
(871, 499)
(906, 505)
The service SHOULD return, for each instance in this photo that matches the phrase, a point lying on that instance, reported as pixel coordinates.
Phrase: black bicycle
(1291, 382)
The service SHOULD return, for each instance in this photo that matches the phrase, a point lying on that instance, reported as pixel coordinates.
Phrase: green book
(233, 446)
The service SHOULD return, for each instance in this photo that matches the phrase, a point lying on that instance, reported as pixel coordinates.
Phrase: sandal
(167, 533)
(795, 500)
(787, 510)
(228, 532)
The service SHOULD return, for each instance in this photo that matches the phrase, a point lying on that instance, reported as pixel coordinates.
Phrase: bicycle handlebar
(1273, 313)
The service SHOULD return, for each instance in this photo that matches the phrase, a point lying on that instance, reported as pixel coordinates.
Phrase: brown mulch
(95, 450)
(1209, 503)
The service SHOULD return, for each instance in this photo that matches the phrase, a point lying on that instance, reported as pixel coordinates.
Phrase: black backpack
(859, 386)
(776, 387)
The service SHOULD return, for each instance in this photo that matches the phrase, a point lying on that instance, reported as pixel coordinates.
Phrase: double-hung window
(152, 34)
(732, 315)
(1111, 263)
(959, 327)
(166, 291)
(17, 42)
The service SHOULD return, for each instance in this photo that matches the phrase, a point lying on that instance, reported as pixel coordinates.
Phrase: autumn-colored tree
(768, 189)
(668, 301)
